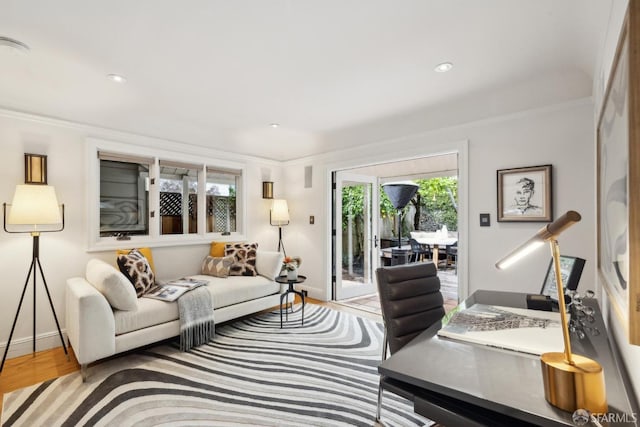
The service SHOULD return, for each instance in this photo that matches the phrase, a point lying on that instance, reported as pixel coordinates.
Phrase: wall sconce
(35, 169)
(267, 190)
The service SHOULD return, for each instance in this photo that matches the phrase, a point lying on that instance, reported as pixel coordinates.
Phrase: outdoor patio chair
(452, 256)
(419, 252)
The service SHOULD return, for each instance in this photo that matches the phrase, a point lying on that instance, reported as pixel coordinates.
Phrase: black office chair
(411, 301)
(418, 251)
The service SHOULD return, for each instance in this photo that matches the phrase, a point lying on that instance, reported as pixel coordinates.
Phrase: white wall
(64, 254)
(560, 135)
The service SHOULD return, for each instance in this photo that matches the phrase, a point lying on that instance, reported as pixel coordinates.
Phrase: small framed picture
(525, 194)
(570, 270)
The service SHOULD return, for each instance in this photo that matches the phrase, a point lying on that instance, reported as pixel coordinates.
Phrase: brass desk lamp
(571, 381)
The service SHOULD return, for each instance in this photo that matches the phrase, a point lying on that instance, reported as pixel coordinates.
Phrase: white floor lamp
(279, 216)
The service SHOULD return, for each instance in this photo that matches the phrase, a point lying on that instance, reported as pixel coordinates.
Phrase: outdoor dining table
(435, 240)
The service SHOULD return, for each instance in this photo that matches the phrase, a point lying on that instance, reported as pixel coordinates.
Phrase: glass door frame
(371, 202)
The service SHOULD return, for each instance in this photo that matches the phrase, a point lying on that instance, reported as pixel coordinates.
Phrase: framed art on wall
(525, 194)
(618, 164)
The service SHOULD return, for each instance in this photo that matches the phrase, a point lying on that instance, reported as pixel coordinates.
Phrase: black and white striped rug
(254, 373)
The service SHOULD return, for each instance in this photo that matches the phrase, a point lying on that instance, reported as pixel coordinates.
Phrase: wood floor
(30, 369)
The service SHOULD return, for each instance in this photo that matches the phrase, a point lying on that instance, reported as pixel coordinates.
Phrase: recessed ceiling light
(116, 78)
(13, 45)
(443, 68)
(275, 125)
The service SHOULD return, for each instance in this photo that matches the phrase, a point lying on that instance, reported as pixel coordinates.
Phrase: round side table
(291, 290)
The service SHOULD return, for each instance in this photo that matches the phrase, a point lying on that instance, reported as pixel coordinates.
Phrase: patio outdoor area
(448, 287)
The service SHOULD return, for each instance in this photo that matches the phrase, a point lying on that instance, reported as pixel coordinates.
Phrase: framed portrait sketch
(618, 163)
(525, 194)
(570, 270)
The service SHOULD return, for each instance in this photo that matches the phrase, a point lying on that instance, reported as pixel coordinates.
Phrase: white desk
(434, 240)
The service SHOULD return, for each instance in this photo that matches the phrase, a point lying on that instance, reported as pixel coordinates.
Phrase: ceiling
(218, 73)
(408, 170)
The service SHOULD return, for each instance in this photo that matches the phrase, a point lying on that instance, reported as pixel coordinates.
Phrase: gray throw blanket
(197, 326)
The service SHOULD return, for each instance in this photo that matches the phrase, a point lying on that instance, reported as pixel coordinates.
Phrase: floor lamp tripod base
(35, 263)
(579, 385)
(280, 243)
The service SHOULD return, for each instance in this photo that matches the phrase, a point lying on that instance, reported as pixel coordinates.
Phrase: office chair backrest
(410, 299)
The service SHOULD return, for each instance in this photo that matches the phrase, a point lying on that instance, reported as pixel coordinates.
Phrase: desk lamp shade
(279, 212)
(34, 205)
(571, 381)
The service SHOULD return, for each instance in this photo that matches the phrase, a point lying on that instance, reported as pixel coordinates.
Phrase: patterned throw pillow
(217, 266)
(244, 258)
(137, 269)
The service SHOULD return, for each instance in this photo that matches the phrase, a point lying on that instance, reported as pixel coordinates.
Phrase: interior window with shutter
(124, 195)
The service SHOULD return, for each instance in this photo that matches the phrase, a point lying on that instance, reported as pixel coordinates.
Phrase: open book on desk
(510, 328)
(171, 291)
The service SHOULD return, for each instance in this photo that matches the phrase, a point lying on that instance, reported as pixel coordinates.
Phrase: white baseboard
(312, 292)
(45, 341)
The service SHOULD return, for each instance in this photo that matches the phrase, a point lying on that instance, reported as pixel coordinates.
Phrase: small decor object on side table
(291, 266)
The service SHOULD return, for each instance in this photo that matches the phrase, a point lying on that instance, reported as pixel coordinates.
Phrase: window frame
(155, 238)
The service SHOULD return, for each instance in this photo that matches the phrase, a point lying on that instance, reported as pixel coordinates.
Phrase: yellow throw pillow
(217, 249)
(144, 251)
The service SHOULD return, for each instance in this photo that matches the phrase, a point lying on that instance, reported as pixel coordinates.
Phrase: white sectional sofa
(97, 330)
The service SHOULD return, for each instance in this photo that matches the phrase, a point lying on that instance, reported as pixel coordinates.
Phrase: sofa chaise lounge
(97, 330)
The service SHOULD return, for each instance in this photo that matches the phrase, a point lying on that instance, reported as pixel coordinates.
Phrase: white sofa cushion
(269, 264)
(224, 292)
(236, 289)
(111, 283)
(150, 312)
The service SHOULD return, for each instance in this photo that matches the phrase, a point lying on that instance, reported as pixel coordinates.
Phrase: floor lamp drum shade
(34, 205)
(279, 212)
